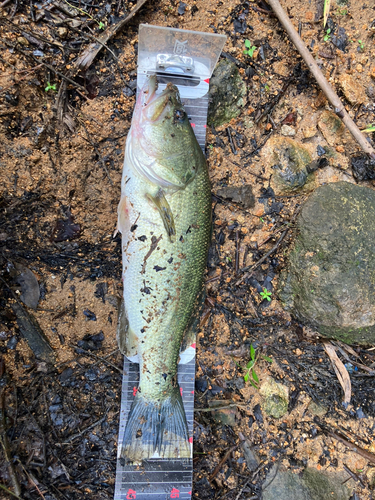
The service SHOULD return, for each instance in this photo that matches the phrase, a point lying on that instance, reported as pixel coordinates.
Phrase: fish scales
(165, 220)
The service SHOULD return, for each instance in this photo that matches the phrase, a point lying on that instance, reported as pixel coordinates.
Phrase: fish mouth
(155, 105)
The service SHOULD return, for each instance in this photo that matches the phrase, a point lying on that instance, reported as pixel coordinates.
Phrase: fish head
(164, 145)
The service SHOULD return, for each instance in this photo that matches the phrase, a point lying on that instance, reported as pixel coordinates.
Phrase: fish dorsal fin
(160, 202)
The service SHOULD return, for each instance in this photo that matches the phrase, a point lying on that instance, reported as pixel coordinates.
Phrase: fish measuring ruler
(186, 59)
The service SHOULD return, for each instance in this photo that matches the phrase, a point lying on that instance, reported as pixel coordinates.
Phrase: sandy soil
(62, 422)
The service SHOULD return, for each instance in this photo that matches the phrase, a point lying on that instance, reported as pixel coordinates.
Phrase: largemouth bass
(165, 219)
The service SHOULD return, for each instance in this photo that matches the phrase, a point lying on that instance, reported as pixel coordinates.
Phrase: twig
(51, 68)
(83, 352)
(4, 4)
(270, 106)
(5, 445)
(216, 278)
(237, 260)
(272, 235)
(247, 171)
(364, 453)
(222, 462)
(9, 491)
(250, 269)
(79, 434)
(353, 475)
(232, 147)
(260, 261)
(216, 408)
(86, 59)
(30, 478)
(243, 487)
(321, 80)
(93, 144)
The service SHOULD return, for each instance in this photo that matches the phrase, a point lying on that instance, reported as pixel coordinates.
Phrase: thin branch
(79, 434)
(84, 352)
(4, 442)
(260, 261)
(86, 59)
(222, 462)
(357, 449)
(321, 80)
(250, 269)
(9, 492)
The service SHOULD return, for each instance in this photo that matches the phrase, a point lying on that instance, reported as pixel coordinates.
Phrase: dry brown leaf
(340, 370)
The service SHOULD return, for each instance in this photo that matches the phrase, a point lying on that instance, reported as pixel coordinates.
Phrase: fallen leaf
(340, 370)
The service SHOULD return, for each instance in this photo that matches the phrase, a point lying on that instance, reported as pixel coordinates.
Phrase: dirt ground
(61, 151)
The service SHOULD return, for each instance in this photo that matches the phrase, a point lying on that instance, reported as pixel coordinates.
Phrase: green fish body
(165, 219)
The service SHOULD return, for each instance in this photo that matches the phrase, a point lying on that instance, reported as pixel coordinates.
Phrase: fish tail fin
(156, 427)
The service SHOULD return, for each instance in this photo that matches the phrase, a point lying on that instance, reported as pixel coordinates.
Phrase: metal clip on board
(186, 59)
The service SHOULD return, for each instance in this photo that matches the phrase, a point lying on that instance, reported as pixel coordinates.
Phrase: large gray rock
(226, 95)
(312, 485)
(330, 278)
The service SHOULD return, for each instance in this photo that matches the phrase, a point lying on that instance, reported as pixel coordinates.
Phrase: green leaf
(246, 377)
(101, 25)
(247, 43)
(254, 384)
(252, 352)
(250, 364)
(50, 87)
(371, 128)
(255, 376)
(327, 6)
(267, 359)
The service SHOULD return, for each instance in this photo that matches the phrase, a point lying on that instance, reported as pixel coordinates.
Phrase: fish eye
(179, 115)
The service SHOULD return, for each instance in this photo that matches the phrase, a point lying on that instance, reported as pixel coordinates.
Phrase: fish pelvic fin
(156, 429)
(165, 212)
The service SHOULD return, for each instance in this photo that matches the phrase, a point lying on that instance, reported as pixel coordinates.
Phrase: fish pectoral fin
(126, 338)
(161, 203)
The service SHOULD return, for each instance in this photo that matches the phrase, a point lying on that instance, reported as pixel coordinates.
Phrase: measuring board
(186, 59)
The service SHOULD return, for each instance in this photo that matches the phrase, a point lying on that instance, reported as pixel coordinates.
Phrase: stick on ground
(321, 80)
(85, 59)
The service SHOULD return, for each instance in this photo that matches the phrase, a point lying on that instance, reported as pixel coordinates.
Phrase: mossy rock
(288, 160)
(227, 94)
(311, 485)
(330, 278)
(275, 398)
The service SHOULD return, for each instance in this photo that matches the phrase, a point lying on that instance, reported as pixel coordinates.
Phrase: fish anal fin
(126, 339)
(187, 351)
(161, 203)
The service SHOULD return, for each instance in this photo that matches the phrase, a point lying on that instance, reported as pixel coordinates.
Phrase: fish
(164, 216)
